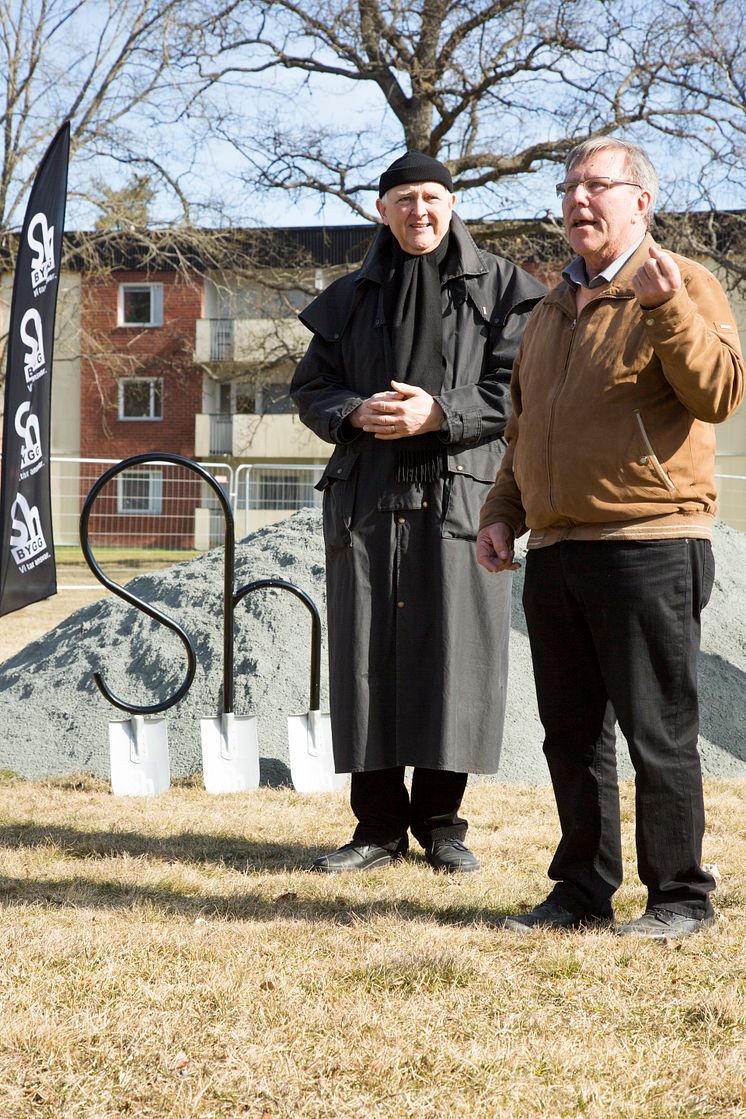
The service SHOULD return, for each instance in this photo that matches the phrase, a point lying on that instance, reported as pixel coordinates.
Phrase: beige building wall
(65, 427)
(731, 439)
(268, 438)
(65, 434)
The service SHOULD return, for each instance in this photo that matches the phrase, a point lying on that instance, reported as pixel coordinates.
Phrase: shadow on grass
(82, 894)
(189, 848)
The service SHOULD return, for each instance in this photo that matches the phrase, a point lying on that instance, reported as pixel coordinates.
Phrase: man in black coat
(408, 374)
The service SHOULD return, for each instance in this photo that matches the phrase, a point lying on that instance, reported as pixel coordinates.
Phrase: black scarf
(414, 311)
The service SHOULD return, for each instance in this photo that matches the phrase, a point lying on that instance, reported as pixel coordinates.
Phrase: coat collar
(619, 288)
(469, 260)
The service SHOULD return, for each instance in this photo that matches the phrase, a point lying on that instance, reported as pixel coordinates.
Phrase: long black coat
(418, 632)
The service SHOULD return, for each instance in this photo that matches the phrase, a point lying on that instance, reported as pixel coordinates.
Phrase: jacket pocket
(463, 498)
(338, 484)
(649, 458)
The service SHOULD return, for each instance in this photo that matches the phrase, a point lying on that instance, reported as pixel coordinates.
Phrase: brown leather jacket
(611, 432)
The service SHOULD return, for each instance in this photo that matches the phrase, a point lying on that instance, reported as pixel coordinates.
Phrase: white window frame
(154, 497)
(152, 381)
(263, 391)
(156, 305)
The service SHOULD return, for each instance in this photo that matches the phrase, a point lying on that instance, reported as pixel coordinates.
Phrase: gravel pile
(55, 720)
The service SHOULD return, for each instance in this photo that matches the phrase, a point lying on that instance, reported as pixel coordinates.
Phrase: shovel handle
(283, 585)
(151, 611)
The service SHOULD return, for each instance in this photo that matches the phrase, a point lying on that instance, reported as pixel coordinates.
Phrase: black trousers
(386, 811)
(614, 629)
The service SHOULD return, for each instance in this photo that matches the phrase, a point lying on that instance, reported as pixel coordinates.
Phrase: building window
(221, 339)
(274, 398)
(141, 398)
(140, 492)
(244, 400)
(140, 305)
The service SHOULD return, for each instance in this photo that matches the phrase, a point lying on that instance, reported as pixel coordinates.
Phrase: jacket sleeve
(480, 410)
(321, 395)
(503, 502)
(695, 338)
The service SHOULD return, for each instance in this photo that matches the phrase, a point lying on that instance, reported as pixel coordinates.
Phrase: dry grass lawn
(171, 957)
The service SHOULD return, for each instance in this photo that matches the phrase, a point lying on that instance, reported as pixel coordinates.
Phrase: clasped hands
(397, 413)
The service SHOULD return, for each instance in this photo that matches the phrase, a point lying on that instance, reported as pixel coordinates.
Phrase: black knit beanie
(415, 167)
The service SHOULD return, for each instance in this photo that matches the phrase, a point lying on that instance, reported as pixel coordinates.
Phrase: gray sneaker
(664, 924)
(550, 914)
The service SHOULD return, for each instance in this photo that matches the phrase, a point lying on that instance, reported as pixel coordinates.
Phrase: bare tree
(704, 76)
(257, 279)
(119, 70)
(497, 88)
(126, 207)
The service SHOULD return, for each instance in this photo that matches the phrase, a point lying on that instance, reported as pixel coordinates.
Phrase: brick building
(139, 386)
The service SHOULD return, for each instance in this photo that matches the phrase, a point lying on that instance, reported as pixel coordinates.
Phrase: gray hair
(637, 163)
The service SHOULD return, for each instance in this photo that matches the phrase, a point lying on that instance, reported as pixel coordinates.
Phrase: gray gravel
(55, 720)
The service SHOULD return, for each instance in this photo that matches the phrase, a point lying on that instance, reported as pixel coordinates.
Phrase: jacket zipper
(651, 456)
(550, 424)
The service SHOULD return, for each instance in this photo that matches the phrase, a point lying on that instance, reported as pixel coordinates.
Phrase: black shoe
(551, 915)
(664, 924)
(356, 856)
(452, 856)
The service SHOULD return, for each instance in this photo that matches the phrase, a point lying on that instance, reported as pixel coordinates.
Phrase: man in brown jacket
(622, 371)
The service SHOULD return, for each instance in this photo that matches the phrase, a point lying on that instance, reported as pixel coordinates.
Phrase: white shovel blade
(230, 754)
(138, 751)
(311, 757)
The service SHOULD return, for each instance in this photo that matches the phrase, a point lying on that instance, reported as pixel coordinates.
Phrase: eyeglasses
(594, 186)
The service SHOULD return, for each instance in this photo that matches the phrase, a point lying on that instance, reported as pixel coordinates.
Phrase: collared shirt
(577, 277)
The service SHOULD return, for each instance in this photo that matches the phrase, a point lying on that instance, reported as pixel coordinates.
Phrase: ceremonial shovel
(309, 735)
(138, 747)
(230, 755)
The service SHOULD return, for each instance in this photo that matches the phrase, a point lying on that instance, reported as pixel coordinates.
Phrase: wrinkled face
(600, 227)
(418, 215)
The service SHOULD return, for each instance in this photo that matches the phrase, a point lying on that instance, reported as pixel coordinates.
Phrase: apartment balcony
(261, 343)
(273, 437)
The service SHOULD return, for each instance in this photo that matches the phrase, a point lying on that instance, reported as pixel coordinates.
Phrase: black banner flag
(27, 568)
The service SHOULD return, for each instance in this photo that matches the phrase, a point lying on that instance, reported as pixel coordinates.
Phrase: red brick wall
(109, 352)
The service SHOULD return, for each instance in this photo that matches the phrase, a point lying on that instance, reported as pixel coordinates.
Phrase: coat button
(459, 468)
(400, 605)
(649, 322)
(339, 470)
(424, 505)
(644, 460)
(401, 520)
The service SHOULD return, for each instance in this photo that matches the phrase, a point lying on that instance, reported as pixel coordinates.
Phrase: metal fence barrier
(159, 506)
(163, 511)
(267, 492)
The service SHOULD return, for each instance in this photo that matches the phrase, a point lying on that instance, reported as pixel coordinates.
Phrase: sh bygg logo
(27, 427)
(27, 543)
(42, 264)
(34, 364)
